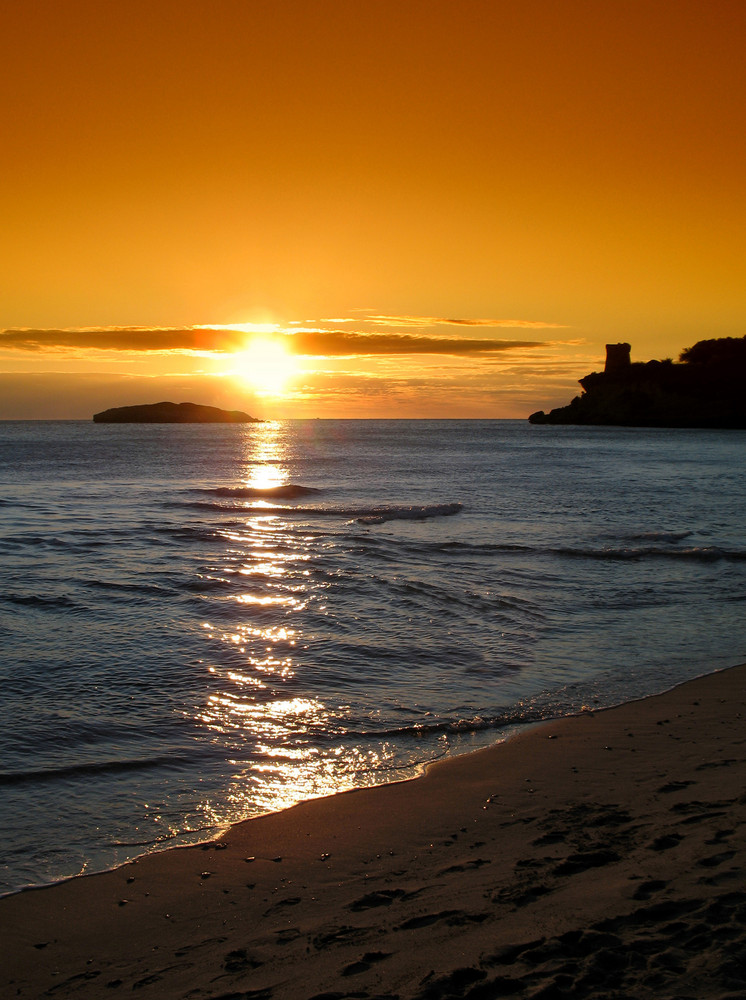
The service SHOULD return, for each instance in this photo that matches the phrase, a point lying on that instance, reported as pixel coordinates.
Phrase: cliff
(705, 389)
(172, 413)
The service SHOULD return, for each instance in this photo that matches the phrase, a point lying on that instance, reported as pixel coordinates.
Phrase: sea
(202, 623)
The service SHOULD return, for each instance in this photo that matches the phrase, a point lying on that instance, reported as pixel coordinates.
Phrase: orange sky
(359, 176)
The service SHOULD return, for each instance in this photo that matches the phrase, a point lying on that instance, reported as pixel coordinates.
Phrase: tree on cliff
(723, 351)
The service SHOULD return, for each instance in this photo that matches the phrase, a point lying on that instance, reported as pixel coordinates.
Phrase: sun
(266, 365)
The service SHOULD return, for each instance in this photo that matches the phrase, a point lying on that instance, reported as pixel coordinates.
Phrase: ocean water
(203, 623)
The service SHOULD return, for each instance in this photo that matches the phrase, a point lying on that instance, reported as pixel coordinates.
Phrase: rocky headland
(704, 389)
(172, 413)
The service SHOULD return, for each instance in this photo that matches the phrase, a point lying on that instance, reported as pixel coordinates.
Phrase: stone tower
(617, 358)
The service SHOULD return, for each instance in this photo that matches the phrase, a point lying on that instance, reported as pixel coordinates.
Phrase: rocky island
(172, 413)
(704, 389)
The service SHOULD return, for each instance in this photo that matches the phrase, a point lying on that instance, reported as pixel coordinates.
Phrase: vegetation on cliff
(704, 389)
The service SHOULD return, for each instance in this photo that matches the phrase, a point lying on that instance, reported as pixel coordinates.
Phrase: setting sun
(266, 365)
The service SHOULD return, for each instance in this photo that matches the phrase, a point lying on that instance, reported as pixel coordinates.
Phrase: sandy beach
(597, 856)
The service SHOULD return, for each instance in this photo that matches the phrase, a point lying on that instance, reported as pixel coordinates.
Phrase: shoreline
(417, 770)
(510, 869)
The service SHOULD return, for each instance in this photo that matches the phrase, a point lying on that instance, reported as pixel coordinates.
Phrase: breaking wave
(519, 717)
(288, 491)
(381, 514)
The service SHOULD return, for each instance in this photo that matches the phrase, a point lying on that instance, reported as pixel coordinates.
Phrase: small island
(172, 413)
(704, 389)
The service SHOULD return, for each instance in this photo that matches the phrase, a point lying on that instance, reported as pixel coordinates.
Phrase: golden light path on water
(270, 736)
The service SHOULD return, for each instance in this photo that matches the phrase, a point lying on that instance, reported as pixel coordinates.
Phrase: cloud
(339, 343)
(124, 338)
(422, 321)
(309, 342)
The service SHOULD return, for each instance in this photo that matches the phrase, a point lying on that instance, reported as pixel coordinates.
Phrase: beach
(598, 855)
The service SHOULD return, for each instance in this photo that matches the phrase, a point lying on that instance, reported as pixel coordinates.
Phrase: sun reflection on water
(274, 736)
(266, 457)
(264, 715)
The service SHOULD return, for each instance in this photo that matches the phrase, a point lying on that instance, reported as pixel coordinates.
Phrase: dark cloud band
(320, 343)
(125, 339)
(342, 344)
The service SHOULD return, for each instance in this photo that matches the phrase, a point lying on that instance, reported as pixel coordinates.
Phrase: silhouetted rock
(172, 413)
(706, 389)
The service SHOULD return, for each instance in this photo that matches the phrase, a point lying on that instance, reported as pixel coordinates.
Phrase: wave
(518, 717)
(365, 515)
(153, 589)
(229, 530)
(382, 514)
(44, 601)
(659, 536)
(37, 541)
(73, 541)
(697, 553)
(193, 533)
(704, 553)
(287, 491)
(81, 770)
(204, 583)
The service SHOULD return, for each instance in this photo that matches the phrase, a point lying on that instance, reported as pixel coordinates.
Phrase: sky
(378, 208)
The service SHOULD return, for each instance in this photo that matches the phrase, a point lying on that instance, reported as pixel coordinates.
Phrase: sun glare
(266, 365)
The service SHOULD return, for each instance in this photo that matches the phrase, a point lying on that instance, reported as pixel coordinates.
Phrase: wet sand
(599, 856)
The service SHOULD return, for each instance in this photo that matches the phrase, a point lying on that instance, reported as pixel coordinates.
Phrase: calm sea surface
(201, 623)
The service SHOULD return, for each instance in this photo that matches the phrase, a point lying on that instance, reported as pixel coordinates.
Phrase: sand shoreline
(596, 856)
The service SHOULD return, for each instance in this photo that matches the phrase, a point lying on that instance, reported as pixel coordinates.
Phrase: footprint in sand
(383, 898)
(239, 961)
(451, 918)
(369, 959)
(716, 859)
(584, 860)
(666, 842)
(338, 935)
(647, 889)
